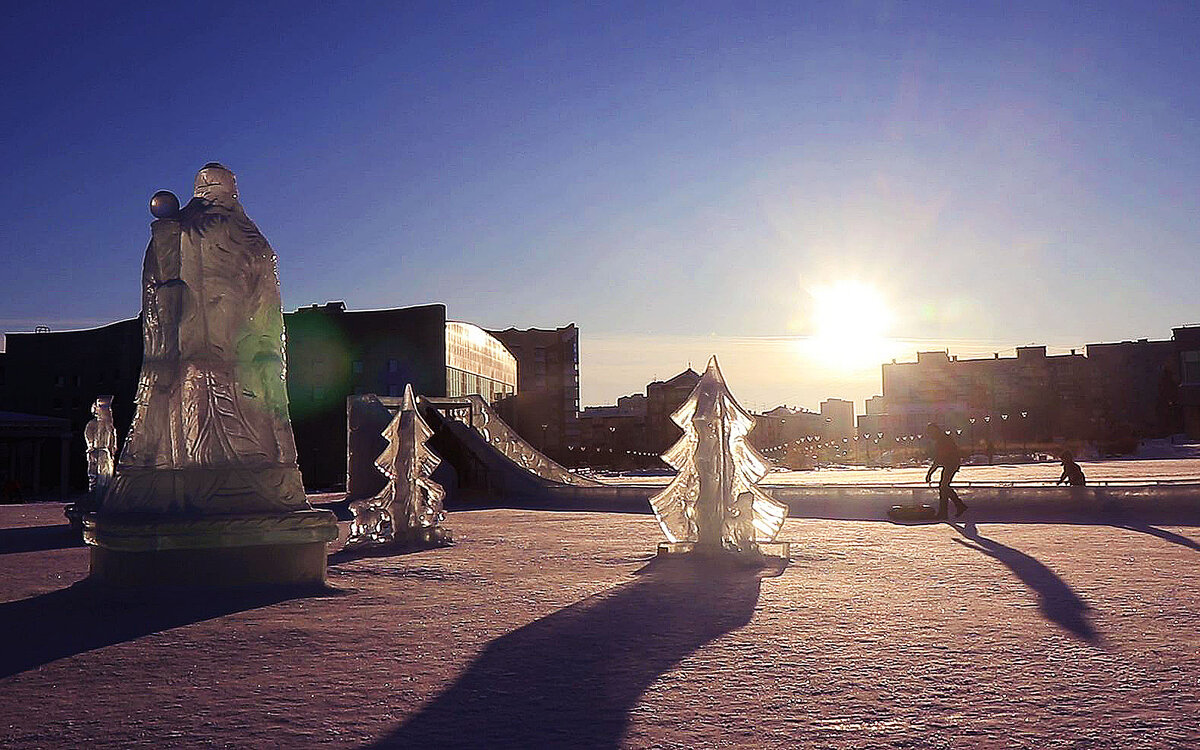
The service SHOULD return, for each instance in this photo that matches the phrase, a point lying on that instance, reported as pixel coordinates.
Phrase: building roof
(687, 375)
(32, 425)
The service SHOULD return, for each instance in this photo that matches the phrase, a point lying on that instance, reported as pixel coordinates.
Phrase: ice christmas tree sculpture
(409, 507)
(713, 502)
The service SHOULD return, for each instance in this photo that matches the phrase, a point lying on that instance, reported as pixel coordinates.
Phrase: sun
(850, 324)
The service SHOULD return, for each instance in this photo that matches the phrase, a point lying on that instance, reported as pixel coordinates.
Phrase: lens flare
(850, 322)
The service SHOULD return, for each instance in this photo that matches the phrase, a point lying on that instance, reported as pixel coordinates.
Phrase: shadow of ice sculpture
(713, 503)
(100, 436)
(409, 507)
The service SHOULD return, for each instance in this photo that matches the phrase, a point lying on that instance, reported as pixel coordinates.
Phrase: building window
(1191, 366)
(393, 366)
(318, 392)
(357, 366)
(393, 390)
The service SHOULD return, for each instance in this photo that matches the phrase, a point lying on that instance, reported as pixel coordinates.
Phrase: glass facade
(476, 362)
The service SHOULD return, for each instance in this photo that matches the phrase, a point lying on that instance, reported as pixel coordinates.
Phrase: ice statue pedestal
(781, 550)
(143, 550)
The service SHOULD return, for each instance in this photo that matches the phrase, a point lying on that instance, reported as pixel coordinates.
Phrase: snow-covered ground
(552, 630)
(1097, 472)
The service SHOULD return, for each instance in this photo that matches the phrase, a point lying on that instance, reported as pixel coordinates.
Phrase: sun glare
(850, 321)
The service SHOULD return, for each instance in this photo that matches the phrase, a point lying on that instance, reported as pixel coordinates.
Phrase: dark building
(662, 399)
(1030, 396)
(838, 414)
(638, 428)
(546, 408)
(1186, 391)
(31, 447)
(332, 353)
(607, 432)
(1113, 394)
(1133, 388)
(60, 374)
(786, 435)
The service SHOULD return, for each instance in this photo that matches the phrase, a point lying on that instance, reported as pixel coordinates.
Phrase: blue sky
(675, 180)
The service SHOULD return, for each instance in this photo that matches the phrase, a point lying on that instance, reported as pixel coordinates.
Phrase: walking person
(946, 456)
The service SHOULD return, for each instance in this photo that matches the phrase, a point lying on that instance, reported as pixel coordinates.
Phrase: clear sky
(806, 189)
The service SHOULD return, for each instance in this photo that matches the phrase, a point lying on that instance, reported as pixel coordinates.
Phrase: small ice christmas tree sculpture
(409, 507)
(713, 502)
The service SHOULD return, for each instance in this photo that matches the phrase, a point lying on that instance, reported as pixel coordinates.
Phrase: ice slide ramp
(496, 467)
(491, 464)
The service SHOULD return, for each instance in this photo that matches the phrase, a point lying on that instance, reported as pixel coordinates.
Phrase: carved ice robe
(211, 432)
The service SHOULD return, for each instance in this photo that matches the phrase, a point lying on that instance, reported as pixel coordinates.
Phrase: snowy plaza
(542, 629)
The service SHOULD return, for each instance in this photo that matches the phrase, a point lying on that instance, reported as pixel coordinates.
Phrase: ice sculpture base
(761, 549)
(406, 540)
(272, 488)
(149, 551)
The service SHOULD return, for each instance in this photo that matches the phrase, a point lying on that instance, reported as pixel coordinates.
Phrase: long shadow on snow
(38, 538)
(1057, 601)
(571, 678)
(80, 618)
(1169, 536)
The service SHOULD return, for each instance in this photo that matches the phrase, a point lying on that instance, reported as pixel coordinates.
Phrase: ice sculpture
(211, 432)
(409, 507)
(100, 436)
(207, 491)
(713, 503)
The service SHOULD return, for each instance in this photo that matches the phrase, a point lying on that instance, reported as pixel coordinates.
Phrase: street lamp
(990, 448)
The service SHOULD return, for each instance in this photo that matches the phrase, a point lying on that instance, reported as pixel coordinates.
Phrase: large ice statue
(207, 490)
(713, 503)
(409, 507)
(211, 432)
(100, 436)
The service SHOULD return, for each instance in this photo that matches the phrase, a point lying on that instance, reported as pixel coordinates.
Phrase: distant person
(945, 455)
(1072, 473)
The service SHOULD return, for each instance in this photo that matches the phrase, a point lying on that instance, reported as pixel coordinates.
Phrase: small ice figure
(409, 507)
(713, 501)
(101, 438)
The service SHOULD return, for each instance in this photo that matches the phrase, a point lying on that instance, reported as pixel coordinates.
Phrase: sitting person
(1072, 473)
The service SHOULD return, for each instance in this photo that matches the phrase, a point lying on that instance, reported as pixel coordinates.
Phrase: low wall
(1150, 503)
(1165, 503)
